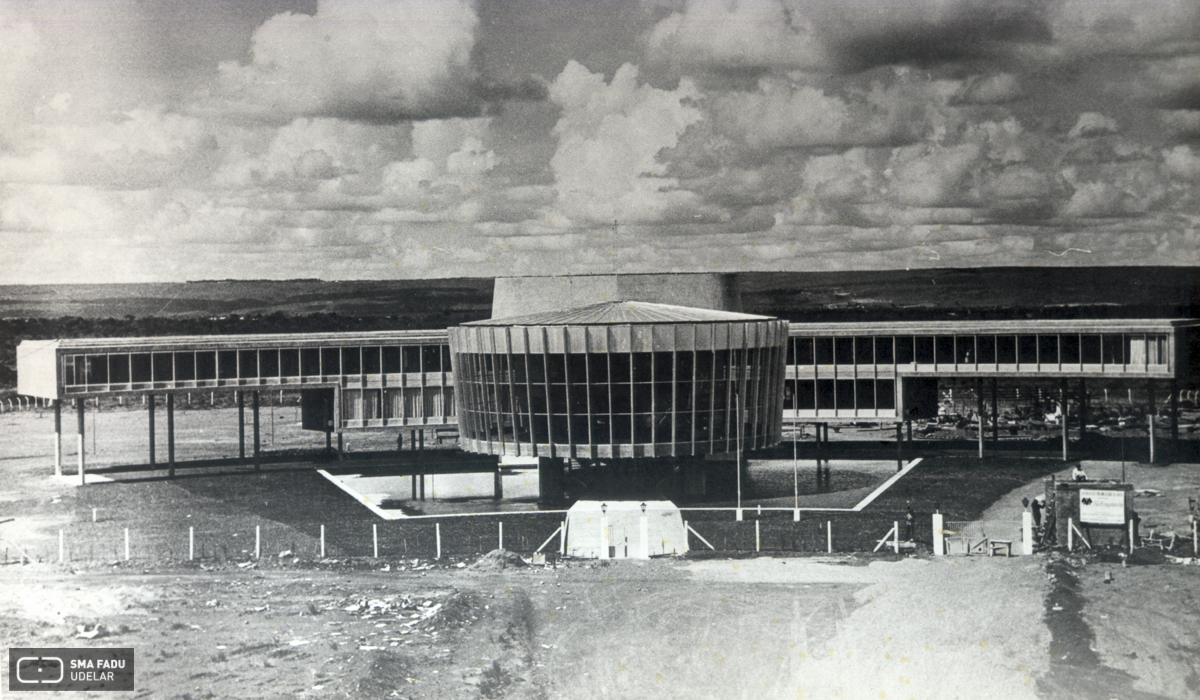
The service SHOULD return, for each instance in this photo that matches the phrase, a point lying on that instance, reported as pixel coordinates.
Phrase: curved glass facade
(601, 391)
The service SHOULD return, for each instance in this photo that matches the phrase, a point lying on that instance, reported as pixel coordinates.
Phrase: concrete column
(421, 481)
(1026, 533)
(818, 432)
(497, 485)
(1065, 420)
(257, 442)
(150, 401)
(899, 447)
(1174, 403)
(57, 437)
(550, 481)
(341, 446)
(79, 403)
(1083, 412)
(170, 435)
(909, 429)
(979, 412)
(1152, 439)
(241, 403)
(995, 415)
(413, 484)
(328, 442)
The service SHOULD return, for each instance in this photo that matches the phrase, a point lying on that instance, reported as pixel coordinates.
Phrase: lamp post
(604, 531)
(645, 534)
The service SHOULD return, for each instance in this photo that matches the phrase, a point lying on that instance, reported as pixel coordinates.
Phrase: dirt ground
(850, 626)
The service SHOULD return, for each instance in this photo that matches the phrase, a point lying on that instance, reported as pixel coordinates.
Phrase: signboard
(1097, 507)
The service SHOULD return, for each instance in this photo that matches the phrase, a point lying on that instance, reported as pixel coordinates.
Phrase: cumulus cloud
(140, 148)
(370, 60)
(1148, 27)
(930, 176)
(607, 163)
(990, 90)
(737, 34)
(1093, 124)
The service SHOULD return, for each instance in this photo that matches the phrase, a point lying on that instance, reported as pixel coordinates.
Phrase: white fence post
(191, 542)
(896, 536)
(62, 557)
(829, 536)
(562, 539)
(437, 528)
(257, 541)
(126, 544)
(375, 538)
(1070, 534)
(500, 533)
(322, 541)
(757, 537)
(939, 536)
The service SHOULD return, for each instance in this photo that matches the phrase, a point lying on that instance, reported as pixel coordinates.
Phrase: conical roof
(618, 313)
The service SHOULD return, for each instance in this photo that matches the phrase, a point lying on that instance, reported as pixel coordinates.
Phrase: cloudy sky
(175, 139)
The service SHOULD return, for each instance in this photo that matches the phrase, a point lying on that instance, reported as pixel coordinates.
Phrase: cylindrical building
(619, 380)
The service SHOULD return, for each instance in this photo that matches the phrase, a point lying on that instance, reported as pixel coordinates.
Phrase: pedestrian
(1036, 507)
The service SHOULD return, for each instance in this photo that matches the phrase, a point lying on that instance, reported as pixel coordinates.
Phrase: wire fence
(109, 541)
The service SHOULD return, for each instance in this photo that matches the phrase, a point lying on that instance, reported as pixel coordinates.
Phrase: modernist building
(613, 370)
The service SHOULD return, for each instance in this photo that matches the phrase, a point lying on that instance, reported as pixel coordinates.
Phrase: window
(97, 369)
(845, 394)
(904, 350)
(185, 366)
(1114, 350)
(331, 361)
(431, 356)
(806, 394)
(140, 367)
(1069, 349)
(964, 349)
(118, 369)
(985, 345)
(804, 351)
(1006, 350)
(1048, 349)
(843, 351)
(1027, 349)
(411, 359)
(310, 362)
(944, 348)
(351, 361)
(268, 363)
(248, 363)
(1090, 349)
(884, 350)
(924, 349)
(824, 351)
(206, 366)
(864, 394)
(391, 360)
(885, 394)
(164, 370)
(864, 350)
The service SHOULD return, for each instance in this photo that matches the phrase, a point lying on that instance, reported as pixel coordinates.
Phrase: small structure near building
(624, 529)
(1091, 508)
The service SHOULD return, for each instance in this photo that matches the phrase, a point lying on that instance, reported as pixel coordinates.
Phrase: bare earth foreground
(849, 626)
